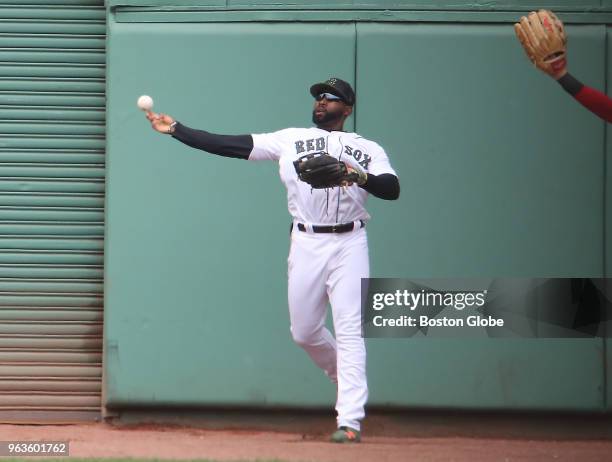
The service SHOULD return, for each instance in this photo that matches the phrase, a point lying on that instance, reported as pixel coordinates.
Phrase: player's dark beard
(328, 118)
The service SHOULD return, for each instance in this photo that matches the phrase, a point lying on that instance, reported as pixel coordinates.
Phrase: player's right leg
(308, 300)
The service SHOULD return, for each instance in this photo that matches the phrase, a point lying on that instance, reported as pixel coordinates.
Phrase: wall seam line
(355, 73)
(605, 225)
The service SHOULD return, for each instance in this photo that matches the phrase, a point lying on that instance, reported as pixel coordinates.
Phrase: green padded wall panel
(501, 175)
(196, 307)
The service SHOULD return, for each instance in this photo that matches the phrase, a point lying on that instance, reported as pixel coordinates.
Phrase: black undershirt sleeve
(570, 84)
(236, 146)
(385, 186)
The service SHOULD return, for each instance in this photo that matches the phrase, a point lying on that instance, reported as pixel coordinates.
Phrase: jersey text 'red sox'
(327, 206)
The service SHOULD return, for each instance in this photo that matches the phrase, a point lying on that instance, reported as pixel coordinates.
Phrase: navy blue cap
(337, 87)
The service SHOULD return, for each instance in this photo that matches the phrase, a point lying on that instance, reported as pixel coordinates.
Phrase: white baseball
(145, 102)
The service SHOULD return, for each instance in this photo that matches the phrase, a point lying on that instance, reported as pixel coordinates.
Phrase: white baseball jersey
(321, 206)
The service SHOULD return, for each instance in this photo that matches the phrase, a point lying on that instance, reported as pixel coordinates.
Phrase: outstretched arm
(593, 100)
(236, 146)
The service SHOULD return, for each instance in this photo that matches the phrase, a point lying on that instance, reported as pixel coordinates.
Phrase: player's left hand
(360, 175)
(322, 171)
(353, 173)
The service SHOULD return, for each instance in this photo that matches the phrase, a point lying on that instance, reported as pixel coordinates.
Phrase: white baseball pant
(328, 267)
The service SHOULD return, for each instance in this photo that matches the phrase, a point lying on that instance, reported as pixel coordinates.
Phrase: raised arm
(543, 38)
(236, 146)
(595, 101)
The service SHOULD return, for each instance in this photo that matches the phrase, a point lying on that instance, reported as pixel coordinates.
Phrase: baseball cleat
(346, 435)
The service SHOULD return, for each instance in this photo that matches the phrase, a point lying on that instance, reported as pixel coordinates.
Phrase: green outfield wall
(502, 174)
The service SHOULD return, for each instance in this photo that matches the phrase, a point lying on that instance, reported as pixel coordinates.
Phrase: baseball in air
(145, 102)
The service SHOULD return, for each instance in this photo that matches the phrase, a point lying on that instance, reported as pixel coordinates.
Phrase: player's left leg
(348, 265)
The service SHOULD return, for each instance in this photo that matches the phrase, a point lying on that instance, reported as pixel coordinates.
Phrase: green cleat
(346, 435)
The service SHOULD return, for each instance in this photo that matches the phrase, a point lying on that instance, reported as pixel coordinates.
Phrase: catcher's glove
(320, 171)
(543, 38)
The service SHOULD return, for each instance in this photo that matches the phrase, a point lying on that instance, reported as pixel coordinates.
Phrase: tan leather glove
(542, 36)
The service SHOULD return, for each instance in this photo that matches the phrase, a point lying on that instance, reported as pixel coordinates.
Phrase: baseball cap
(337, 87)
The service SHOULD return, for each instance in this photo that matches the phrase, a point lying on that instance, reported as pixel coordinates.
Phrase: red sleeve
(595, 102)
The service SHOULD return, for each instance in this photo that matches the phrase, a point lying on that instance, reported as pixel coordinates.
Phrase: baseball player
(543, 38)
(329, 174)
